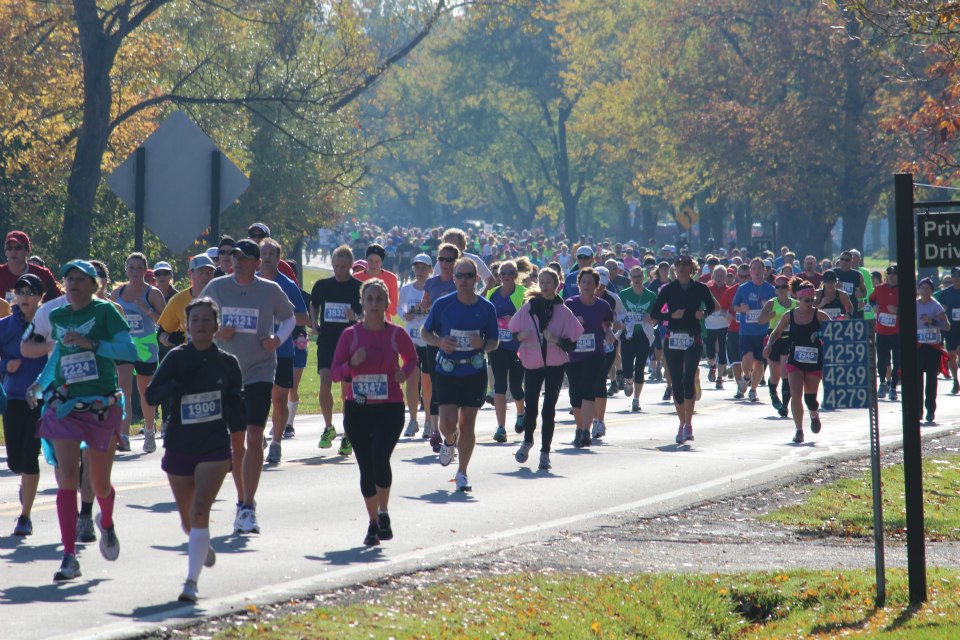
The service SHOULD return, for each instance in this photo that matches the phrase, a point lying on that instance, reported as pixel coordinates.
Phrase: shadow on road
(675, 448)
(441, 496)
(22, 552)
(525, 473)
(63, 592)
(332, 458)
(160, 507)
(174, 607)
(428, 459)
(356, 555)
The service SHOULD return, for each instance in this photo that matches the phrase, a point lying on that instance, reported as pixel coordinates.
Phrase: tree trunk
(649, 221)
(743, 220)
(853, 200)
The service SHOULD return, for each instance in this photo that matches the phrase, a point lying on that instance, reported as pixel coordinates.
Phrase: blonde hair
(343, 251)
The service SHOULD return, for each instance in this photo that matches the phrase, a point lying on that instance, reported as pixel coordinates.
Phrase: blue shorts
(752, 345)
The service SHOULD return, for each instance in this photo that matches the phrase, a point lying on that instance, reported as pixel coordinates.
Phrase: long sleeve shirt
(374, 378)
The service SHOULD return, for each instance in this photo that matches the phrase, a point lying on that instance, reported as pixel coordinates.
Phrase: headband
(805, 293)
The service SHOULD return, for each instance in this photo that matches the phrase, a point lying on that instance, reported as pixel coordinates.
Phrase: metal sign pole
(875, 473)
(910, 368)
(139, 198)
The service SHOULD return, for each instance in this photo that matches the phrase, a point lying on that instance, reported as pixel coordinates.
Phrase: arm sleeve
(50, 369)
(164, 382)
(286, 328)
(120, 347)
(657, 312)
(708, 301)
(340, 367)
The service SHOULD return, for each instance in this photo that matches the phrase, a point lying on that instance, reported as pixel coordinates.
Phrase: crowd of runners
(462, 320)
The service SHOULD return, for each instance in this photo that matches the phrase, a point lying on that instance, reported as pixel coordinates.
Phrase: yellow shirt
(174, 316)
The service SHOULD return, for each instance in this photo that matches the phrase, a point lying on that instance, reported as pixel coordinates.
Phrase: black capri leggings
(633, 356)
(717, 345)
(374, 430)
(551, 378)
(506, 367)
(20, 432)
(929, 358)
(683, 364)
(887, 347)
(588, 379)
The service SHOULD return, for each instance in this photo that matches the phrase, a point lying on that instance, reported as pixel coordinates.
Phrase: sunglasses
(26, 292)
(807, 300)
(584, 257)
(781, 286)
(845, 259)
(13, 247)
(743, 275)
(442, 259)
(507, 273)
(464, 276)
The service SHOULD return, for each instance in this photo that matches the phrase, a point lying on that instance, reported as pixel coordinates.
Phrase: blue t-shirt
(570, 285)
(437, 288)
(450, 317)
(505, 310)
(754, 296)
(11, 331)
(950, 300)
(290, 288)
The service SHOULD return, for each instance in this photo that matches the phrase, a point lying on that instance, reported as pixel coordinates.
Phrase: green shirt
(636, 304)
(85, 373)
(868, 313)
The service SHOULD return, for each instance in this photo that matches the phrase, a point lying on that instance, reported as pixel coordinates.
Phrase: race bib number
(79, 367)
(243, 319)
(586, 343)
(847, 288)
(928, 335)
(955, 314)
(632, 320)
(680, 341)
(805, 355)
(753, 316)
(335, 311)
(888, 319)
(413, 329)
(831, 313)
(201, 407)
(463, 338)
(867, 308)
(372, 386)
(503, 333)
(11, 296)
(135, 320)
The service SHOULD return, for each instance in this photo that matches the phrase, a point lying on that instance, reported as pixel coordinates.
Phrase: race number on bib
(928, 335)
(631, 320)
(372, 386)
(135, 320)
(753, 316)
(463, 338)
(413, 328)
(586, 343)
(680, 341)
(847, 288)
(201, 407)
(243, 319)
(805, 355)
(79, 367)
(503, 333)
(335, 311)
(955, 314)
(831, 313)
(886, 319)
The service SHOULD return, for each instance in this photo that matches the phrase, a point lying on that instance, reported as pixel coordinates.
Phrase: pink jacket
(563, 324)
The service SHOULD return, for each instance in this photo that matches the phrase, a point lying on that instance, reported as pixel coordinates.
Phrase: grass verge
(845, 507)
(799, 604)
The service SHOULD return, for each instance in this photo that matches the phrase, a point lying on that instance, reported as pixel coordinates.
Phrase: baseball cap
(604, 275)
(830, 276)
(163, 265)
(259, 226)
(213, 252)
(423, 258)
(893, 269)
(82, 265)
(29, 281)
(248, 248)
(199, 261)
(768, 263)
(585, 252)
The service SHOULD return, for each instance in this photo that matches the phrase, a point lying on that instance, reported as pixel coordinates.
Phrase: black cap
(830, 276)
(248, 248)
(893, 269)
(30, 281)
(226, 241)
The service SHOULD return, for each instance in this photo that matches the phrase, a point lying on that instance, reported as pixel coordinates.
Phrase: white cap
(423, 258)
(604, 275)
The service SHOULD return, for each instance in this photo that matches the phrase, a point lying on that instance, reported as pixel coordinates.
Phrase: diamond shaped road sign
(177, 181)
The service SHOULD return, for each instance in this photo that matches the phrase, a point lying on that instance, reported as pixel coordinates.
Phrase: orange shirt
(389, 279)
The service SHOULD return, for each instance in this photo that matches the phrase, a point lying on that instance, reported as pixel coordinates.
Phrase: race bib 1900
(372, 386)
(243, 319)
(201, 407)
(79, 367)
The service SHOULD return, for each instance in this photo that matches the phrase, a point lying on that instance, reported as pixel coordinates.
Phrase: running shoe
(883, 390)
(500, 435)
(620, 384)
(24, 526)
(384, 530)
(687, 432)
(712, 376)
(753, 396)
(680, 435)
(667, 394)
(893, 394)
(109, 543)
(578, 438)
(815, 425)
(412, 428)
(85, 530)
(719, 384)
(612, 388)
(274, 456)
(929, 417)
(248, 521)
(447, 452)
(211, 558)
(585, 440)
(327, 437)
(635, 406)
(435, 441)
(189, 592)
(150, 441)
(124, 443)
(956, 388)
(798, 436)
(775, 400)
(488, 399)
(289, 432)
(523, 453)
(784, 410)
(69, 569)
(545, 461)
(518, 425)
(628, 387)
(238, 520)
(427, 430)
(599, 429)
(462, 483)
(345, 447)
(372, 538)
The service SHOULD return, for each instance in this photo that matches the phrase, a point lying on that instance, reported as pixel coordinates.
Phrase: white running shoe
(447, 452)
(238, 521)
(427, 430)
(544, 460)
(248, 521)
(462, 483)
(149, 441)
(189, 593)
(274, 456)
(412, 428)
(109, 544)
(211, 558)
(523, 453)
(753, 396)
(599, 429)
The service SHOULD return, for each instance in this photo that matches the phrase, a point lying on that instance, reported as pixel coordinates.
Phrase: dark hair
(588, 271)
(203, 302)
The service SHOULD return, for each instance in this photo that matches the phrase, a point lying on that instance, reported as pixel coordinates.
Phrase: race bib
(11, 296)
(888, 319)
(847, 288)
(201, 407)
(805, 355)
(867, 308)
(372, 386)
(680, 341)
(928, 335)
(79, 367)
(413, 329)
(335, 311)
(753, 316)
(586, 343)
(631, 320)
(955, 314)
(832, 313)
(243, 319)
(135, 320)
(503, 333)
(463, 338)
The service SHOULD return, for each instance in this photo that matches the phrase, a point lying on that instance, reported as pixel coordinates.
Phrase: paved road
(313, 521)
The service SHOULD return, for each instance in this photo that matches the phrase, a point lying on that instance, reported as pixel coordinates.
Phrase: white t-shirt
(408, 297)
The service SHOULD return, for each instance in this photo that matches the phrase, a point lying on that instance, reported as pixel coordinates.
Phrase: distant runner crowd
(421, 328)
